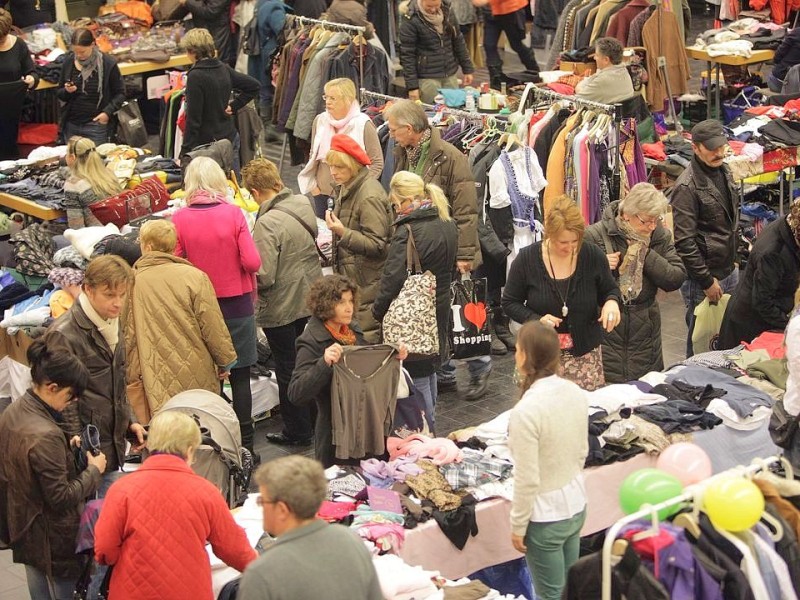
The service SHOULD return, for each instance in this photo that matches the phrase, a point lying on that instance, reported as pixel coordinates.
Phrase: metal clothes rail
(466, 114)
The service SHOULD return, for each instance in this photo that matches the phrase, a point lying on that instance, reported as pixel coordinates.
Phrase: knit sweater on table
(548, 438)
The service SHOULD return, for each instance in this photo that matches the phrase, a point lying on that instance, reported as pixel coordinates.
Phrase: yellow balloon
(733, 503)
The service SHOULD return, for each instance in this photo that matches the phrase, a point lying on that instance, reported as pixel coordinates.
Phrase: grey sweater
(311, 562)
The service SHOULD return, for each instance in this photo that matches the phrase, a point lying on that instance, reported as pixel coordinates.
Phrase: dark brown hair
(82, 37)
(326, 292)
(539, 342)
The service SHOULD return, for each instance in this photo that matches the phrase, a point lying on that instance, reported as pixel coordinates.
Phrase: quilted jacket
(41, 493)
(154, 527)
(104, 403)
(175, 335)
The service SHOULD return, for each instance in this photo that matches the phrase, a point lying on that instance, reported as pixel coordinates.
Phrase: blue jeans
(693, 294)
(552, 548)
(42, 587)
(94, 131)
(475, 366)
(427, 386)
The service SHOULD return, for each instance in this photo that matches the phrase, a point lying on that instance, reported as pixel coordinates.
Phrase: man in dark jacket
(421, 150)
(786, 56)
(92, 330)
(432, 49)
(705, 209)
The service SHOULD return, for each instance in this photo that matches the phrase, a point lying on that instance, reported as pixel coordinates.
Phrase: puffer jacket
(633, 348)
(364, 209)
(289, 259)
(436, 242)
(448, 168)
(764, 297)
(104, 403)
(175, 335)
(426, 54)
(705, 224)
(154, 527)
(41, 492)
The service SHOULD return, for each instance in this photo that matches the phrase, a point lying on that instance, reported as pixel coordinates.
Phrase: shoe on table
(477, 387)
(283, 440)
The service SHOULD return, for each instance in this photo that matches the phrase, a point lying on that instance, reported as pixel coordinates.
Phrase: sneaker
(477, 387)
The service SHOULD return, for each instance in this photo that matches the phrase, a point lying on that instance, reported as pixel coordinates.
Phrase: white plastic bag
(707, 322)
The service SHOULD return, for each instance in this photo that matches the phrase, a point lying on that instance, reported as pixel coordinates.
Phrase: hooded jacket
(359, 254)
(41, 492)
(175, 335)
(436, 243)
(633, 348)
(427, 54)
(764, 298)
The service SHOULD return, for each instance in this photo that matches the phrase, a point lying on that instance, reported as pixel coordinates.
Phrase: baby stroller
(221, 458)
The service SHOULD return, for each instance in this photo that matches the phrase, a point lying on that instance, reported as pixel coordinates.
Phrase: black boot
(496, 77)
(270, 133)
(501, 330)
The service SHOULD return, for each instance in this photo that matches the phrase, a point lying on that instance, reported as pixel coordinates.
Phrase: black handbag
(130, 125)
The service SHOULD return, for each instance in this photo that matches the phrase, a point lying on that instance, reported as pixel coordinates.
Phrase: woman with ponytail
(423, 210)
(548, 439)
(41, 491)
(89, 182)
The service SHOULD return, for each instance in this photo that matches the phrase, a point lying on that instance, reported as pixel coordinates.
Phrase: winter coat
(311, 382)
(633, 348)
(41, 492)
(214, 15)
(209, 85)
(104, 402)
(448, 168)
(426, 54)
(175, 335)
(154, 527)
(764, 298)
(112, 91)
(289, 259)
(364, 209)
(705, 224)
(787, 55)
(436, 242)
(270, 19)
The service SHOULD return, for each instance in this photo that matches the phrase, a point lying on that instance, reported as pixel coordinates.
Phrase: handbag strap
(413, 264)
(305, 225)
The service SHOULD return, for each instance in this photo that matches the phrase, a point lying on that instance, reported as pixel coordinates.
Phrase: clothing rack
(689, 495)
(465, 114)
(332, 26)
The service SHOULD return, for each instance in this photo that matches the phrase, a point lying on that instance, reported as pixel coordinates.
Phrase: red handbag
(146, 198)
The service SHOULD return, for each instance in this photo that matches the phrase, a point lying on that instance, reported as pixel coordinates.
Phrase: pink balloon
(688, 462)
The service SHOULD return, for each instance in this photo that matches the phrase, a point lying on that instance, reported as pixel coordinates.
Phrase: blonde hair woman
(342, 116)
(361, 225)
(422, 212)
(567, 285)
(89, 181)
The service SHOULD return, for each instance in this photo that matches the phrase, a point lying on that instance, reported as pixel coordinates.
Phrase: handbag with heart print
(469, 323)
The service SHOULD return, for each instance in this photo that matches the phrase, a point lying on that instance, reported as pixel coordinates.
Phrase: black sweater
(530, 294)
(16, 63)
(208, 92)
(24, 13)
(112, 94)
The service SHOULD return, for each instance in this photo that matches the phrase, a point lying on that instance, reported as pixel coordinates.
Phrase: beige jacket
(610, 85)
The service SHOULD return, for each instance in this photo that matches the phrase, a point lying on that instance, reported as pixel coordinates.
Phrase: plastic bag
(707, 322)
(469, 321)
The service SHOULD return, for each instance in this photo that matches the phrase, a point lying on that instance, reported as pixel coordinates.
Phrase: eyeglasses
(325, 97)
(650, 222)
(261, 501)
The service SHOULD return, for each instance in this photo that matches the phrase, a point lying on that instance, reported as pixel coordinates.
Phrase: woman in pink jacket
(213, 235)
(156, 521)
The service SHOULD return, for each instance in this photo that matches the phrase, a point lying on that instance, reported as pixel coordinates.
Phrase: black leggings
(243, 403)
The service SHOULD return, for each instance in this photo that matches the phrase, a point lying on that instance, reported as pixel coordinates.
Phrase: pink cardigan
(214, 237)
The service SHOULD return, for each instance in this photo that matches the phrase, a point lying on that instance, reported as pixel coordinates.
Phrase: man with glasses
(705, 209)
(310, 559)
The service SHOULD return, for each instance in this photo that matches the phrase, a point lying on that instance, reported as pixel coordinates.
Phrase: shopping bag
(146, 198)
(130, 125)
(411, 318)
(707, 322)
(469, 322)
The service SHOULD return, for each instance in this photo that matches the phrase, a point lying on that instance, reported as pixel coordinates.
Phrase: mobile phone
(330, 204)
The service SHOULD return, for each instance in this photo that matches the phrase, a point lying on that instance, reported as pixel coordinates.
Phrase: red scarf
(344, 335)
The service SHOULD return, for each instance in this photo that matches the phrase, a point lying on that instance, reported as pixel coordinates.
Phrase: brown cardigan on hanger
(661, 36)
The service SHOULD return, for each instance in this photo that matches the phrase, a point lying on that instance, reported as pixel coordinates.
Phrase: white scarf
(108, 328)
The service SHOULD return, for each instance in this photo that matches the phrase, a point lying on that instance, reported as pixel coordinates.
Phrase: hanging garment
(363, 399)
(661, 37)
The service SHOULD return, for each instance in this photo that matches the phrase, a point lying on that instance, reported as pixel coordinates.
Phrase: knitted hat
(346, 144)
(64, 276)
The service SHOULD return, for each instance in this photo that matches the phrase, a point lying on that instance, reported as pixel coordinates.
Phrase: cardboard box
(585, 69)
(15, 346)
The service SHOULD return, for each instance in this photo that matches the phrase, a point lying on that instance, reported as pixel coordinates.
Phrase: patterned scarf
(630, 271)
(793, 220)
(416, 204)
(414, 153)
(93, 64)
(344, 335)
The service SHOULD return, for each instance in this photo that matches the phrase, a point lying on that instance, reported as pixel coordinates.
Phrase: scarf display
(414, 153)
(632, 267)
(108, 328)
(327, 127)
(93, 64)
(793, 220)
(344, 335)
(435, 19)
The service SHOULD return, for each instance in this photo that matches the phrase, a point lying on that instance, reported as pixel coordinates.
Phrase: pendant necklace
(564, 307)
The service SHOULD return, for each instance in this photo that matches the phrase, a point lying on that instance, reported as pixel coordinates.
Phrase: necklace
(564, 307)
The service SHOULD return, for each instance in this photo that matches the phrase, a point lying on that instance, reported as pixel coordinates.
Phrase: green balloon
(649, 486)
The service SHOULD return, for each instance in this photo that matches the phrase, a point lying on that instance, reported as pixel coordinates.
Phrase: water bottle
(470, 104)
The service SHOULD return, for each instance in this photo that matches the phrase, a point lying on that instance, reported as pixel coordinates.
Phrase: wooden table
(30, 208)
(136, 68)
(757, 56)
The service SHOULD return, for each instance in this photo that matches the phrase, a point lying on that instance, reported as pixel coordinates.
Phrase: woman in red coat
(155, 522)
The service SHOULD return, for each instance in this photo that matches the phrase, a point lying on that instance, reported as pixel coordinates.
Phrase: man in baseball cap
(705, 210)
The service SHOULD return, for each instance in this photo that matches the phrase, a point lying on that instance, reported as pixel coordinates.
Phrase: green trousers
(553, 548)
